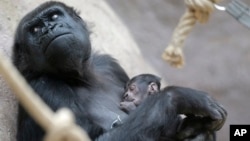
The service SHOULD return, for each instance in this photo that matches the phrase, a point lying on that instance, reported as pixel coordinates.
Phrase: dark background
(217, 53)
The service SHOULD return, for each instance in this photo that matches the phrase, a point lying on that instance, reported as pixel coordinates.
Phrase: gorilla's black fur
(52, 50)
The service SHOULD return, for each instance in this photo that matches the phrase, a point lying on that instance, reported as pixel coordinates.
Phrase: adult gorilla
(52, 50)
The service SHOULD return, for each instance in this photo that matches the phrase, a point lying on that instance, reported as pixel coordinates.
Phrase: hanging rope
(59, 126)
(198, 10)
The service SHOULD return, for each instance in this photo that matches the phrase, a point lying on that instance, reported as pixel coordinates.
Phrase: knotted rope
(59, 126)
(198, 10)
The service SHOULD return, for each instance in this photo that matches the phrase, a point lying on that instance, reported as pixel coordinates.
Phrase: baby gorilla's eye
(132, 88)
(54, 16)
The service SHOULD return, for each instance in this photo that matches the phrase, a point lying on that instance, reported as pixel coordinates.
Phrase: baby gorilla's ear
(153, 88)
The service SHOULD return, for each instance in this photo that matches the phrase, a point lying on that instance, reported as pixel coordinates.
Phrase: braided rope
(59, 126)
(198, 10)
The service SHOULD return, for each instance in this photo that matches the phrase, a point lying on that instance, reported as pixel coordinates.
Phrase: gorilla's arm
(204, 114)
(198, 103)
(147, 122)
(56, 94)
(195, 128)
(165, 107)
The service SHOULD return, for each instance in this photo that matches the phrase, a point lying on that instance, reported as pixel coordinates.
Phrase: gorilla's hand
(198, 104)
(195, 129)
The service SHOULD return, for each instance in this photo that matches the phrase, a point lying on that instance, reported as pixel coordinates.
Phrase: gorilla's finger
(223, 111)
(223, 114)
(214, 113)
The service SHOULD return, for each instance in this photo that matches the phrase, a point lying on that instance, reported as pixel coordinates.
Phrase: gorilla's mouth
(55, 39)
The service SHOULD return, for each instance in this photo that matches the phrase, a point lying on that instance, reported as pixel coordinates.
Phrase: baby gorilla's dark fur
(138, 89)
(143, 86)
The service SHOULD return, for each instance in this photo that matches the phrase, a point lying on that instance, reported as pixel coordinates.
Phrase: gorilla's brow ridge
(33, 21)
(37, 18)
(46, 12)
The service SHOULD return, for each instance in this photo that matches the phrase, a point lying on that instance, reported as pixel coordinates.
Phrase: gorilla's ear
(153, 88)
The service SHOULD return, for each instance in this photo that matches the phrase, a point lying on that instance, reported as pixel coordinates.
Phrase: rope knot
(198, 10)
(174, 56)
(201, 8)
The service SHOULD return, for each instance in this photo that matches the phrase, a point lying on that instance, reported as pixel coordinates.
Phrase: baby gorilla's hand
(127, 106)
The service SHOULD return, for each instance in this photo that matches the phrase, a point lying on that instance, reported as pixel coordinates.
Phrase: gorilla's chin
(65, 51)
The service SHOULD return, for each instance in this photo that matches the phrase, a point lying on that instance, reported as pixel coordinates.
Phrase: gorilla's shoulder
(109, 66)
(98, 59)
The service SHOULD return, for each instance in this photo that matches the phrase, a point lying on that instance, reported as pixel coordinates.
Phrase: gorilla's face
(51, 38)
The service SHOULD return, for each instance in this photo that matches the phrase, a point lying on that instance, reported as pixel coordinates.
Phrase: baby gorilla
(138, 89)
